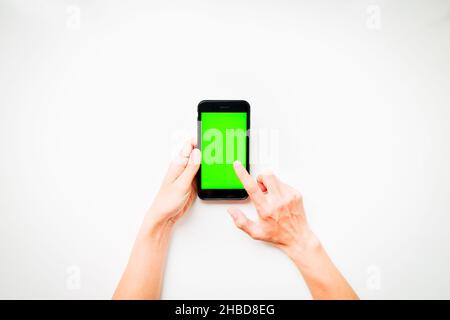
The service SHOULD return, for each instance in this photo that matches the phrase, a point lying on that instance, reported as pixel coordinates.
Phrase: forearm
(321, 275)
(143, 276)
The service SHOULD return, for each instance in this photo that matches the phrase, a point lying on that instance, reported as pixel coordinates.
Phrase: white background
(94, 94)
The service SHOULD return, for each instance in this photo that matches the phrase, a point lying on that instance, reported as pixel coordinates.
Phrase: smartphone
(223, 128)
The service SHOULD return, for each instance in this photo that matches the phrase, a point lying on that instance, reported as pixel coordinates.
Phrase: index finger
(250, 185)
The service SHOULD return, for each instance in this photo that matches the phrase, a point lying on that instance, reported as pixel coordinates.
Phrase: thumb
(191, 169)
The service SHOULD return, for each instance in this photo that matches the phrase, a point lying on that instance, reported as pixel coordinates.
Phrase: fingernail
(267, 171)
(237, 164)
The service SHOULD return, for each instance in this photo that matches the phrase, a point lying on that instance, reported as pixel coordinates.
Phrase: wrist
(156, 227)
(303, 247)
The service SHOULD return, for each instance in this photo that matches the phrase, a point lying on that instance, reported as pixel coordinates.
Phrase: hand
(178, 189)
(143, 276)
(282, 220)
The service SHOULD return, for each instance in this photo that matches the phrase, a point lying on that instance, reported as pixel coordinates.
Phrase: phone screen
(223, 141)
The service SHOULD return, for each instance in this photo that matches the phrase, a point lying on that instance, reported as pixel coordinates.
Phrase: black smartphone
(223, 128)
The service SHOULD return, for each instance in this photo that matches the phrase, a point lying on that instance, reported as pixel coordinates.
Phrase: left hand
(178, 189)
(142, 278)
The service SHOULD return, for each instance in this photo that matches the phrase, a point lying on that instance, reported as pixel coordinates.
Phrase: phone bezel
(222, 106)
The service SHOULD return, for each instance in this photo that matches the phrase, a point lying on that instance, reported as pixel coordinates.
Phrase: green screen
(223, 142)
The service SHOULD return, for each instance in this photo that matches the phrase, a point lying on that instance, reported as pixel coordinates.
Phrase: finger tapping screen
(223, 142)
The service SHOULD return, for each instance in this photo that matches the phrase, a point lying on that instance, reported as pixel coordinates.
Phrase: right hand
(282, 221)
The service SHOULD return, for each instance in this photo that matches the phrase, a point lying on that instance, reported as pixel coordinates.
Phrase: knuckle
(297, 196)
(269, 210)
(240, 224)
(263, 212)
(280, 206)
(291, 199)
(252, 189)
(243, 225)
(255, 236)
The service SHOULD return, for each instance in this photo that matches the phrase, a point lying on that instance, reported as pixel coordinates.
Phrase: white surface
(89, 113)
